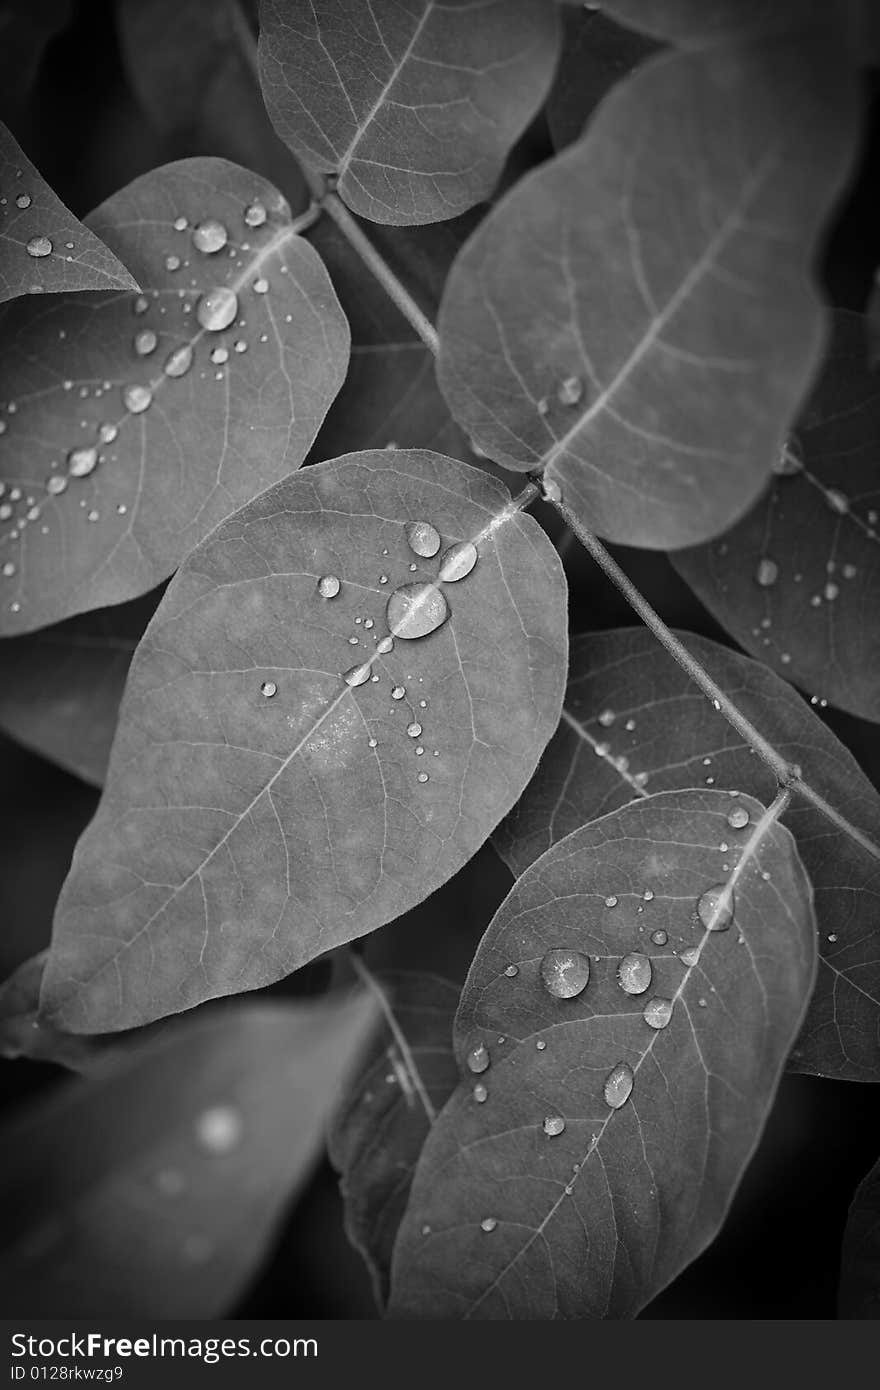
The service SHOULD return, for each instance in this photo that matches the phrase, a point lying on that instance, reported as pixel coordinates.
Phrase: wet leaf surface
(385, 1114)
(797, 581)
(43, 247)
(634, 724)
(630, 1036)
(132, 424)
(412, 107)
(284, 778)
(637, 317)
(860, 1258)
(155, 1191)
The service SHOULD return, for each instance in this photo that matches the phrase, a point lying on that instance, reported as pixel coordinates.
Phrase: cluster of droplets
(608, 719)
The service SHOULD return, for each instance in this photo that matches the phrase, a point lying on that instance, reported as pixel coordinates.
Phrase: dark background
(777, 1256)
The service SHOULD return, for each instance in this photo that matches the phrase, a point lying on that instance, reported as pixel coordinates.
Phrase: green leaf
(130, 427)
(412, 108)
(248, 824)
(387, 1111)
(596, 54)
(608, 1150)
(42, 245)
(62, 685)
(156, 1191)
(860, 1259)
(797, 581)
(637, 317)
(634, 723)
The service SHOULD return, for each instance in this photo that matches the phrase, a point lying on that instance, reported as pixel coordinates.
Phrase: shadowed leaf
(134, 424)
(596, 53)
(156, 1192)
(637, 317)
(382, 1120)
(797, 581)
(859, 1295)
(42, 245)
(608, 1149)
(698, 21)
(634, 723)
(413, 107)
(260, 807)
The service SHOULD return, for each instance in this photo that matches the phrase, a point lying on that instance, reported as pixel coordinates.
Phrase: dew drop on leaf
(81, 462)
(657, 1012)
(488, 1224)
(634, 973)
(179, 361)
(611, 901)
(385, 645)
(398, 692)
(552, 491)
(511, 971)
(607, 718)
(767, 572)
(659, 937)
(422, 777)
(478, 1058)
(23, 201)
(715, 908)
(738, 818)
(219, 1129)
(618, 1085)
(145, 342)
(565, 974)
(56, 484)
(553, 1125)
(481, 1093)
(423, 538)
(328, 586)
(261, 285)
(570, 390)
(690, 956)
(414, 730)
(39, 246)
(357, 675)
(137, 399)
(255, 215)
(268, 688)
(457, 562)
(217, 308)
(210, 236)
(415, 610)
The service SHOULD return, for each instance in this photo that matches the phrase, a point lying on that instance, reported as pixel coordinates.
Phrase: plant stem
(367, 977)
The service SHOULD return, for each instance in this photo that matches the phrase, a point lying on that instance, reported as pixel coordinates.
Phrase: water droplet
(172, 262)
(219, 355)
(415, 610)
(39, 246)
(767, 572)
(618, 1086)
(481, 1093)
(552, 490)
(141, 304)
(570, 390)
(81, 462)
(414, 730)
(511, 971)
(457, 562)
(831, 592)
(357, 675)
(611, 901)
(55, 484)
(137, 399)
(423, 538)
(385, 645)
(422, 777)
(268, 688)
(837, 501)
(179, 361)
(659, 938)
(217, 308)
(832, 937)
(240, 345)
(790, 458)
(657, 1012)
(716, 907)
(540, 1045)
(738, 818)
(8, 569)
(261, 285)
(488, 1224)
(145, 342)
(690, 956)
(219, 1129)
(648, 895)
(23, 201)
(210, 236)
(634, 973)
(553, 1125)
(328, 586)
(478, 1058)
(565, 974)
(607, 718)
(398, 692)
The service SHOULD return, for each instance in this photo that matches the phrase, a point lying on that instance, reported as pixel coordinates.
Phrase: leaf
(636, 318)
(384, 1117)
(634, 723)
(596, 54)
(577, 1189)
(701, 21)
(25, 29)
(797, 581)
(42, 245)
(247, 824)
(156, 1192)
(62, 685)
(181, 446)
(860, 1258)
(412, 108)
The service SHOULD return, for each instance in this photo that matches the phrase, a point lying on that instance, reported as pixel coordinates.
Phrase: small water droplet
(145, 342)
(255, 215)
(648, 895)
(553, 1125)
(618, 1086)
(611, 901)
(219, 1129)
(210, 236)
(738, 818)
(172, 263)
(478, 1058)
(634, 973)
(217, 308)
(837, 501)
(140, 304)
(385, 645)
(261, 285)
(137, 399)
(422, 777)
(179, 361)
(415, 610)
(56, 484)
(219, 355)
(457, 562)
(565, 974)
(607, 718)
(328, 586)
(357, 675)
(23, 201)
(657, 1012)
(8, 569)
(570, 390)
(767, 572)
(716, 907)
(81, 462)
(481, 1093)
(659, 938)
(832, 937)
(39, 246)
(423, 538)
(540, 1045)
(511, 971)
(690, 956)
(398, 692)
(268, 688)
(414, 730)
(488, 1224)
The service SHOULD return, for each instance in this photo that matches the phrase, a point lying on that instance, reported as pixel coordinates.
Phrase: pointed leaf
(386, 1113)
(596, 53)
(634, 723)
(186, 439)
(860, 1259)
(797, 581)
(413, 108)
(156, 1192)
(636, 317)
(248, 824)
(42, 245)
(608, 1150)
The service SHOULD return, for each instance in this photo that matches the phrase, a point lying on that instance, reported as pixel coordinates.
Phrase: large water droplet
(268, 688)
(357, 675)
(328, 586)
(145, 342)
(481, 1093)
(217, 308)
(255, 215)
(457, 562)
(553, 1125)
(738, 818)
(565, 974)
(219, 1129)
(658, 1012)
(23, 201)
(488, 1224)
(634, 973)
(56, 484)
(210, 236)
(478, 1058)
(81, 462)
(716, 907)
(690, 956)
(137, 399)
(39, 246)
(618, 1086)
(423, 538)
(415, 610)
(414, 730)
(179, 361)
(659, 937)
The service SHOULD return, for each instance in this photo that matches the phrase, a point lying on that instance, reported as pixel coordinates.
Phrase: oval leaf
(607, 1151)
(636, 317)
(156, 1192)
(860, 1258)
(131, 425)
(42, 245)
(249, 823)
(387, 1111)
(634, 723)
(797, 581)
(412, 108)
